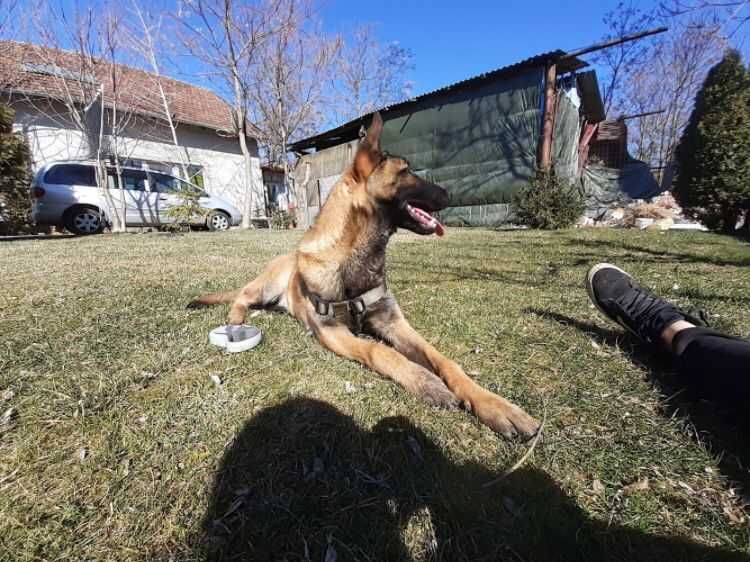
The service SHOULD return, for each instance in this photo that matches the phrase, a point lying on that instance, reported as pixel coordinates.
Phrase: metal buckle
(321, 307)
(357, 307)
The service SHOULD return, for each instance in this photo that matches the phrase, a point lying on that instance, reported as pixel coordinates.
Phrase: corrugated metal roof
(344, 132)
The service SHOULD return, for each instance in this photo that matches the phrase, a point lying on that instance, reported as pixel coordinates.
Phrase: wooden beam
(613, 42)
(636, 115)
(544, 157)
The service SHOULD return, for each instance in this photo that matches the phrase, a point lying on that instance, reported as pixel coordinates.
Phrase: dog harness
(352, 311)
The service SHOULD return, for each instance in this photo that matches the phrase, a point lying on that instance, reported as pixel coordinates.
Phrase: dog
(335, 284)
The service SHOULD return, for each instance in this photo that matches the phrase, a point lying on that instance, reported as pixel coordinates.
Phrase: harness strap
(350, 311)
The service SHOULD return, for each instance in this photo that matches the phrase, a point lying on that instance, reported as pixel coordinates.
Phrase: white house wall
(50, 135)
(51, 138)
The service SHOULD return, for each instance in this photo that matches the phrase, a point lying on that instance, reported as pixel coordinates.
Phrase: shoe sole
(590, 290)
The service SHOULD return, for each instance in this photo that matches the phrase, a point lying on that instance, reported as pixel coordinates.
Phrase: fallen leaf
(597, 487)
(685, 487)
(8, 416)
(639, 486)
(733, 517)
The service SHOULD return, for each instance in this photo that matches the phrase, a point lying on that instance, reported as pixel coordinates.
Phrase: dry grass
(120, 447)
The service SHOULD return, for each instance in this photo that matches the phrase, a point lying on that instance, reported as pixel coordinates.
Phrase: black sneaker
(621, 299)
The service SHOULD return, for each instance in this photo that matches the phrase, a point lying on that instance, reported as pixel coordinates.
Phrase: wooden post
(544, 159)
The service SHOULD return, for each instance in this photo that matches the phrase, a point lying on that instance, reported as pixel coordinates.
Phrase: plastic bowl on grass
(235, 338)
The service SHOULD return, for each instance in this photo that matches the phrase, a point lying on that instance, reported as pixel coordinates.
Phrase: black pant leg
(714, 365)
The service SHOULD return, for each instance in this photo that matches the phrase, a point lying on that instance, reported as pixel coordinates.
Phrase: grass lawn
(120, 446)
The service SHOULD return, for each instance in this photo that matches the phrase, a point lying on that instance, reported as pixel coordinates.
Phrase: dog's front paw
(505, 418)
(432, 390)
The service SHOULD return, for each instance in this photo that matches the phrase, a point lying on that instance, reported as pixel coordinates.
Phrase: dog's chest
(365, 268)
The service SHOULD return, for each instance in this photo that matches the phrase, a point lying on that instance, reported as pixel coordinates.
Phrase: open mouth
(425, 220)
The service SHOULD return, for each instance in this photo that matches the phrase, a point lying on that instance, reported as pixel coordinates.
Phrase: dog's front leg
(498, 413)
(389, 363)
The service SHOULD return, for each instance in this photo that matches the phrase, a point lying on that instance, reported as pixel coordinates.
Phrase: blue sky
(455, 39)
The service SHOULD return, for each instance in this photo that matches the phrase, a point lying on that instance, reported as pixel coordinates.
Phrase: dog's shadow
(302, 478)
(722, 428)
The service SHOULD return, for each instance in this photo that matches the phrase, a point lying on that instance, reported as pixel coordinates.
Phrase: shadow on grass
(608, 246)
(301, 476)
(722, 429)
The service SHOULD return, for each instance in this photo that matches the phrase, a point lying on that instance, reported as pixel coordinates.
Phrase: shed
(481, 138)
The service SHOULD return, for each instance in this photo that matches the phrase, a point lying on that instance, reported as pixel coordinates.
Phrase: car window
(71, 174)
(133, 180)
(163, 183)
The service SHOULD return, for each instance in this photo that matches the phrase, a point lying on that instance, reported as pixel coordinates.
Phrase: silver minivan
(66, 194)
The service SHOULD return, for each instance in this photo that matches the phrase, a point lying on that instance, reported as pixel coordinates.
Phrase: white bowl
(235, 338)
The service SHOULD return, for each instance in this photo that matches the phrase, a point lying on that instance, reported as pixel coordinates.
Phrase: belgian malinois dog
(335, 284)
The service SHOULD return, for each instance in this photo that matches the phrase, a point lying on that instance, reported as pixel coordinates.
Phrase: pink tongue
(427, 220)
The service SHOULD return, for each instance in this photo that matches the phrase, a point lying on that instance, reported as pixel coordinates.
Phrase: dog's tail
(213, 298)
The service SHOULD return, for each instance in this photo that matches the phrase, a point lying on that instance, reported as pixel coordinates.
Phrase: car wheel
(84, 220)
(217, 221)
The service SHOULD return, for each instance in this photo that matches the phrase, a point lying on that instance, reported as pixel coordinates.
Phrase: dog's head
(390, 183)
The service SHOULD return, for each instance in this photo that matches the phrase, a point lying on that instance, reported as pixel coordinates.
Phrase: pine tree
(713, 156)
(14, 176)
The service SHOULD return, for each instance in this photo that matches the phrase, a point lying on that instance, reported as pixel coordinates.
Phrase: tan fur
(340, 254)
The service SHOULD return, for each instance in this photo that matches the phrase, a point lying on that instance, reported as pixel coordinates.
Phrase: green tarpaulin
(480, 145)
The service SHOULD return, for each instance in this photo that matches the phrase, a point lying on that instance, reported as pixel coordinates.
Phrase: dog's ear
(368, 153)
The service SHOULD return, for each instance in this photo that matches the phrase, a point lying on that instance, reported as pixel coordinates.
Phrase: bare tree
(668, 79)
(144, 35)
(733, 14)
(370, 75)
(664, 73)
(8, 13)
(116, 111)
(287, 93)
(225, 36)
(616, 61)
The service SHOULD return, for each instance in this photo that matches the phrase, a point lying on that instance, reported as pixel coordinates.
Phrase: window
(133, 180)
(163, 183)
(71, 174)
(194, 171)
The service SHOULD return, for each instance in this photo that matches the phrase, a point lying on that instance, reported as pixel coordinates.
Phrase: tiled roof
(34, 70)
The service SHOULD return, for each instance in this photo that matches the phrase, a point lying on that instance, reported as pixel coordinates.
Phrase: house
(41, 84)
(482, 138)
